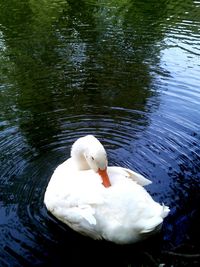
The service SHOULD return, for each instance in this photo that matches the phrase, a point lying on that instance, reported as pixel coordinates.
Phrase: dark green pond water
(125, 71)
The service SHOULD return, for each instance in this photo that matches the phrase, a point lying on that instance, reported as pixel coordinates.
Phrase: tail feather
(165, 211)
(155, 223)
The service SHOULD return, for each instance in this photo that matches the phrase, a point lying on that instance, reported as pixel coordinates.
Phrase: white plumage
(99, 201)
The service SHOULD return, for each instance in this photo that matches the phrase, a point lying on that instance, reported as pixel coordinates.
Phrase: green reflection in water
(63, 59)
(71, 55)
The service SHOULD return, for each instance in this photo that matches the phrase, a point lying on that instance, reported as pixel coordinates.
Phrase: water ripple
(127, 73)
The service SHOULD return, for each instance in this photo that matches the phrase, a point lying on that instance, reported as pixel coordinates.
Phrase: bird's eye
(92, 158)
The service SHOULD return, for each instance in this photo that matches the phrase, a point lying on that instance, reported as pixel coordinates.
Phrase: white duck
(99, 201)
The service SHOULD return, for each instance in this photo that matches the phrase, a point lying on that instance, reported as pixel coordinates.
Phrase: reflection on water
(126, 71)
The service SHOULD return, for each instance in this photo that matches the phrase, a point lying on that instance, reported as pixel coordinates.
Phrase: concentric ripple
(163, 145)
(127, 72)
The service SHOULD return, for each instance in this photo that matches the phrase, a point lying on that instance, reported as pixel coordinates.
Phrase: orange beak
(105, 178)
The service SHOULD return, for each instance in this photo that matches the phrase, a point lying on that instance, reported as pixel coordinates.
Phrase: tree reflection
(67, 55)
(60, 59)
(30, 44)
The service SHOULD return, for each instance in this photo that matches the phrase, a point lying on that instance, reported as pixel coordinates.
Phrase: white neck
(77, 153)
(88, 147)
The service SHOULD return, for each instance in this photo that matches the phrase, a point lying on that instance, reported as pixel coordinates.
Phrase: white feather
(122, 213)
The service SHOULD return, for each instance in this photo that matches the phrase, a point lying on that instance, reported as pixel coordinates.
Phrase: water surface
(125, 71)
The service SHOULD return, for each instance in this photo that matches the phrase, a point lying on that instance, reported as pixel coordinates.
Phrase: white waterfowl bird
(99, 201)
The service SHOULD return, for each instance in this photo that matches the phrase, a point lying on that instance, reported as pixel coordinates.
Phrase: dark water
(126, 71)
